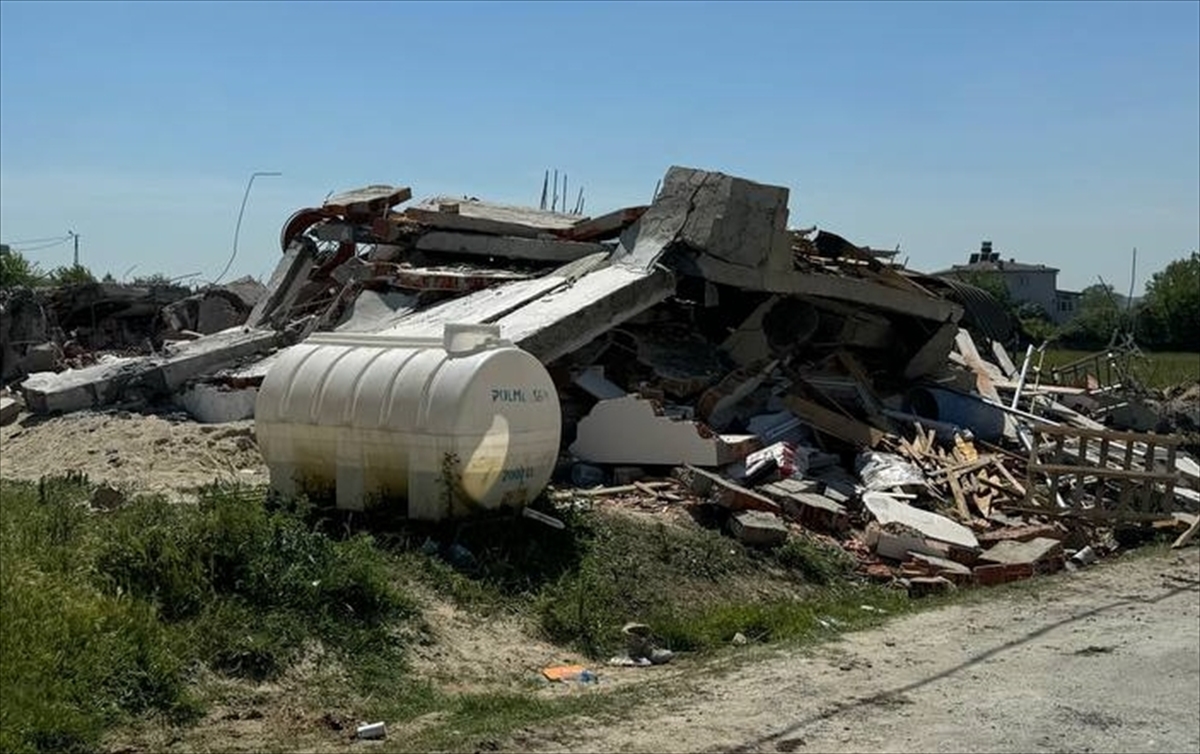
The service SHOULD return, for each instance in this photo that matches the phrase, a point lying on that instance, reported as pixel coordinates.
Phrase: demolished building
(699, 339)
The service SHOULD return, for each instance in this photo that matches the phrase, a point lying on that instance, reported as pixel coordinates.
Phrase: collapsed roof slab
(530, 217)
(532, 249)
(837, 287)
(571, 317)
(555, 314)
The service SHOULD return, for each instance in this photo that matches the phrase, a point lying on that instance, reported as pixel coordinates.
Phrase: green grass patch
(109, 618)
(1157, 370)
(107, 615)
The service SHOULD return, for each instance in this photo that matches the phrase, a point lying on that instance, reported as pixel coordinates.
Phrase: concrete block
(758, 529)
(40, 358)
(213, 404)
(628, 430)
(1042, 552)
(10, 409)
(216, 313)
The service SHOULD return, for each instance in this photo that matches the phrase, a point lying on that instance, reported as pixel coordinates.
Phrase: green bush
(104, 615)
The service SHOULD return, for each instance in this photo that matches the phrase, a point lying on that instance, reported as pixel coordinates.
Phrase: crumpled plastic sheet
(882, 471)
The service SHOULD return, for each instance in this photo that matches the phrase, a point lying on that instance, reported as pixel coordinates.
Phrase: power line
(37, 240)
(51, 245)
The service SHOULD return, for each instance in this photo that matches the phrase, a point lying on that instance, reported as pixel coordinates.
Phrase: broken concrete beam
(531, 249)
(290, 275)
(208, 354)
(720, 491)
(78, 389)
(368, 200)
(454, 221)
(832, 423)
(531, 217)
(1043, 553)
(604, 227)
(629, 430)
(10, 409)
(886, 510)
(490, 305)
(731, 220)
(758, 528)
(108, 382)
(837, 287)
(569, 318)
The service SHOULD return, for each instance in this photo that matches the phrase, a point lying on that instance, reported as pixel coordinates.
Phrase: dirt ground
(1102, 660)
(133, 452)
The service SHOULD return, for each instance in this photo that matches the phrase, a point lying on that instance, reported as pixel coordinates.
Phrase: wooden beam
(830, 422)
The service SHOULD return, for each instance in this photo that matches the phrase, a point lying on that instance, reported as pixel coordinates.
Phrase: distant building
(1026, 283)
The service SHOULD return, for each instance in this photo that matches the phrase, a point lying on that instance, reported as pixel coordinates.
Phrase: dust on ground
(1102, 660)
(141, 453)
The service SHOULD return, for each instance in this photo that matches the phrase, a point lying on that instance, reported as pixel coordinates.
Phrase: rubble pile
(707, 357)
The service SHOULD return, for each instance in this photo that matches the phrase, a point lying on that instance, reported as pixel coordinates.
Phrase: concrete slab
(1012, 552)
(887, 510)
(532, 249)
(629, 430)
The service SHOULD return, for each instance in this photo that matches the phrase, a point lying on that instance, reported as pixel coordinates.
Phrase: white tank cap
(465, 338)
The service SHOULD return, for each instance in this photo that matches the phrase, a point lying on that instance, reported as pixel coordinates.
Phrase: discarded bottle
(372, 730)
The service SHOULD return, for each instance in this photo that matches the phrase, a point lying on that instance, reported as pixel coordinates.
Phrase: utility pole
(75, 237)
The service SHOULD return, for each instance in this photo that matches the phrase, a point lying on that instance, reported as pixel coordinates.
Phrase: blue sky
(1066, 133)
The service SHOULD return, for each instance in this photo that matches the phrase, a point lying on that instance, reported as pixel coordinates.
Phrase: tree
(1171, 308)
(993, 284)
(76, 274)
(16, 270)
(1098, 319)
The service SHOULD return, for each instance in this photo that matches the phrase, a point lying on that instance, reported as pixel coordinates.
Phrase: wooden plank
(1134, 474)
(960, 501)
(622, 489)
(1187, 536)
(984, 374)
(830, 422)
(1122, 437)
(1008, 477)
(532, 249)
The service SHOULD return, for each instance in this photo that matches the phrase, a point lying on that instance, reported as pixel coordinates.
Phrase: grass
(114, 619)
(1159, 370)
(106, 617)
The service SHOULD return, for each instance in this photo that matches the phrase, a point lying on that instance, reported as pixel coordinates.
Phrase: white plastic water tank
(466, 423)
